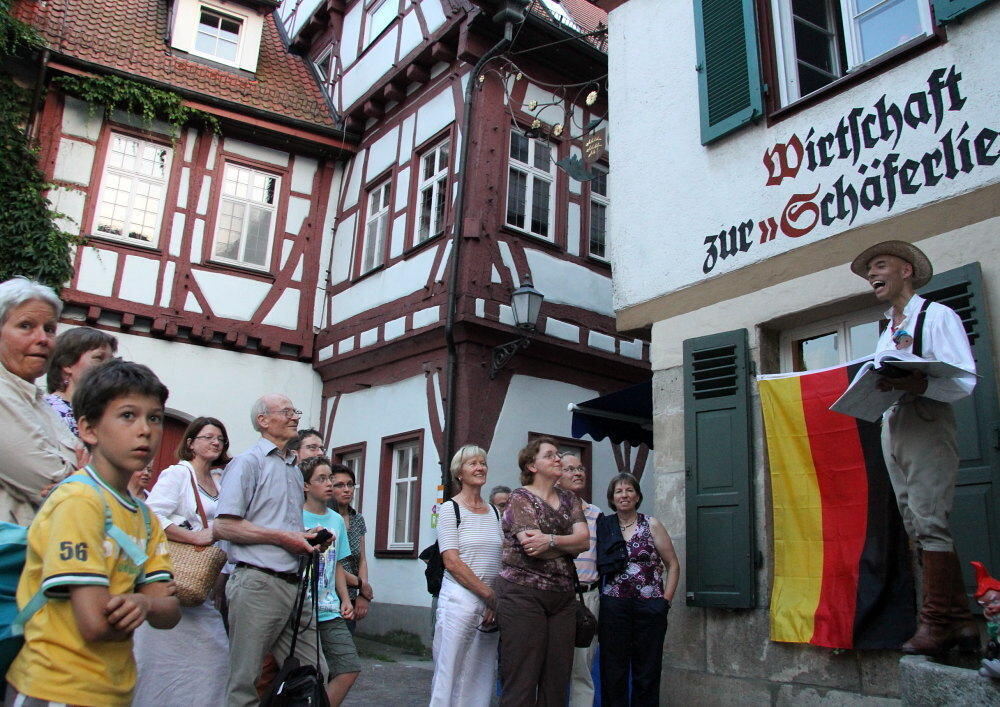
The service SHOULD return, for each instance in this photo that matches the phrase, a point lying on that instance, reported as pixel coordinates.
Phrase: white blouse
(172, 498)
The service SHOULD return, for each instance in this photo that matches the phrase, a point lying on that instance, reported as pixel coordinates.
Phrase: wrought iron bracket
(503, 353)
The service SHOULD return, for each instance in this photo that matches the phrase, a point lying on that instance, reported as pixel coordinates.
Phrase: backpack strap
(918, 330)
(495, 511)
(458, 513)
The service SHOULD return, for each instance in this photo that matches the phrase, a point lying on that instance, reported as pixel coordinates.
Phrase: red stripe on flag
(843, 486)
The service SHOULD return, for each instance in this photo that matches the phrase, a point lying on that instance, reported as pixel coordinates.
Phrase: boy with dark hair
(97, 564)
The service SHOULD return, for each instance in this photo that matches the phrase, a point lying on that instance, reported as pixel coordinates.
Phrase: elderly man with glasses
(260, 514)
(581, 690)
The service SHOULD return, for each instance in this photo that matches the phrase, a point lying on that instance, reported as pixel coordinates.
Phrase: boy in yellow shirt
(96, 554)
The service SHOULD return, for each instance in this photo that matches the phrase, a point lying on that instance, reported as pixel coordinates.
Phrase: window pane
(814, 47)
(439, 189)
(817, 352)
(599, 184)
(863, 338)
(258, 230)
(540, 206)
(426, 205)
(888, 26)
(227, 240)
(598, 228)
(519, 147)
(814, 11)
(543, 151)
(516, 198)
(401, 529)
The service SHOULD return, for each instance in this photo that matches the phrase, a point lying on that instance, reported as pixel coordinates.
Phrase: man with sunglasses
(260, 514)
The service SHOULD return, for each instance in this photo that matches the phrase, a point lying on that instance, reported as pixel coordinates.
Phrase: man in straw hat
(918, 436)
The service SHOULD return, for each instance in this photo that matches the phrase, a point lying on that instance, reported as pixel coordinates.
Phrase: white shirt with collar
(944, 339)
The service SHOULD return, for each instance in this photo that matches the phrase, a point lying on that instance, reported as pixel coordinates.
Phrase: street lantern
(525, 302)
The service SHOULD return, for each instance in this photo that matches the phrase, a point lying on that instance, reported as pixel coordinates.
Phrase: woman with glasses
(188, 664)
(469, 538)
(356, 565)
(543, 530)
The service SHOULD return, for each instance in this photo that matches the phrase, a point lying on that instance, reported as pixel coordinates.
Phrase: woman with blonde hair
(469, 538)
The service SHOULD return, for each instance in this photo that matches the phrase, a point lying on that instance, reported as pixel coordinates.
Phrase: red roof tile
(128, 35)
(587, 17)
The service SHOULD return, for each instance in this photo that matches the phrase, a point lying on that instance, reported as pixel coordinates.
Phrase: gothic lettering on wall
(871, 179)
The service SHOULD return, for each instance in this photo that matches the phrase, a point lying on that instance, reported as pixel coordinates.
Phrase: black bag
(298, 685)
(586, 622)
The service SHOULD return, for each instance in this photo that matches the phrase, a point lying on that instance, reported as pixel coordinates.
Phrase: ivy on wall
(30, 242)
(117, 93)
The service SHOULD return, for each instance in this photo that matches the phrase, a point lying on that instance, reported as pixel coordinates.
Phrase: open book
(864, 400)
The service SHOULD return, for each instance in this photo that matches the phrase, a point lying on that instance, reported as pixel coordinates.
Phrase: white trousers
(581, 686)
(465, 659)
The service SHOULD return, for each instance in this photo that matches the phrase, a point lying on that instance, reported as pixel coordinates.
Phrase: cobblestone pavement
(390, 677)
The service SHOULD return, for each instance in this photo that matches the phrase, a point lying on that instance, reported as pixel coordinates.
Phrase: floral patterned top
(64, 410)
(526, 511)
(355, 532)
(642, 577)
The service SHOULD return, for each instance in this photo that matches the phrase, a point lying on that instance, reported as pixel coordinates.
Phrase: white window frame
(411, 449)
(377, 18)
(240, 36)
(532, 174)
(373, 242)
(840, 325)
(437, 185)
(325, 67)
(602, 201)
(848, 32)
(248, 203)
(136, 177)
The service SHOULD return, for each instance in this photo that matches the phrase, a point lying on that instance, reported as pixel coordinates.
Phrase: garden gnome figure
(988, 596)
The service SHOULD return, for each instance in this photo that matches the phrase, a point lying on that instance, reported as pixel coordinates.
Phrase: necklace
(627, 525)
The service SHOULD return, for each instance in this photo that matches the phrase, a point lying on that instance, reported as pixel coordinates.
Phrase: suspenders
(918, 333)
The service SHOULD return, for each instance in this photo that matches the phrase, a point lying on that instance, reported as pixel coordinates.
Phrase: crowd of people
(103, 624)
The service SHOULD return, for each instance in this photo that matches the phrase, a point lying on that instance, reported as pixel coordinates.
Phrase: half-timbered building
(397, 336)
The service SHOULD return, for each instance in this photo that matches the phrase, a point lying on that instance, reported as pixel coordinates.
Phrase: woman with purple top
(543, 530)
(635, 599)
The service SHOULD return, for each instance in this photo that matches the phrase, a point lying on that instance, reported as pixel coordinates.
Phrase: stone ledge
(925, 682)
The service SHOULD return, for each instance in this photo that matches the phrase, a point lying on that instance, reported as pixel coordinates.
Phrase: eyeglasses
(323, 479)
(287, 412)
(575, 469)
(550, 456)
(315, 447)
(212, 438)
(344, 485)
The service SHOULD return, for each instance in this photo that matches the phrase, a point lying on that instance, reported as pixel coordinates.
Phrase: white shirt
(477, 538)
(944, 339)
(172, 498)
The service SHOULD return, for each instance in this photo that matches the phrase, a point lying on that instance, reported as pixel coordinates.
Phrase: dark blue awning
(624, 416)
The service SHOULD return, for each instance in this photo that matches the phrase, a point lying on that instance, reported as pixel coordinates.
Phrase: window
(245, 225)
(326, 67)
(218, 36)
(599, 213)
(433, 191)
(398, 513)
(376, 228)
(818, 41)
(831, 342)
(380, 15)
(530, 185)
(133, 187)
(353, 457)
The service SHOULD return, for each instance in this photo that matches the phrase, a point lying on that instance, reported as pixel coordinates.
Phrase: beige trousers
(921, 455)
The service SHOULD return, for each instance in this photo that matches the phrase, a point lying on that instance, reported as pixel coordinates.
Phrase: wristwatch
(552, 540)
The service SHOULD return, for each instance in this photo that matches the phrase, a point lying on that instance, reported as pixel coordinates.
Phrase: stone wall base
(924, 682)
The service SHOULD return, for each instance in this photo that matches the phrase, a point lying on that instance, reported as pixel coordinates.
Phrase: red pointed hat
(984, 582)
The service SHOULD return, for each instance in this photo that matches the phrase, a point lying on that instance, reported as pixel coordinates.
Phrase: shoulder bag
(586, 622)
(196, 567)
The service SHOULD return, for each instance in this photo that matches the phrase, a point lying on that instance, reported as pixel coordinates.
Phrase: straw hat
(922, 269)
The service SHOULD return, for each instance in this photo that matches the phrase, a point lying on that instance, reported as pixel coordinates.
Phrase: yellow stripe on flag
(798, 513)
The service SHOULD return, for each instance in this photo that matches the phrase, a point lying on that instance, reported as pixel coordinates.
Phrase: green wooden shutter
(728, 66)
(975, 521)
(721, 548)
(950, 10)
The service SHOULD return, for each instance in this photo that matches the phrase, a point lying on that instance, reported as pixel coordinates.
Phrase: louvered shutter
(728, 67)
(950, 10)
(975, 521)
(721, 548)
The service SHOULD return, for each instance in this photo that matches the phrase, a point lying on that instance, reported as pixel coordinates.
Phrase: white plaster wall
(343, 247)
(376, 60)
(433, 14)
(410, 34)
(383, 287)
(231, 296)
(139, 278)
(77, 119)
(368, 416)
(658, 224)
(564, 282)
(202, 381)
(256, 152)
(74, 162)
(303, 172)
(382, 153)
(349, 34)
(435, 114)
(96, 273)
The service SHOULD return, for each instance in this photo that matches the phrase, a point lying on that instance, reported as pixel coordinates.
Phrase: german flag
(842, 576)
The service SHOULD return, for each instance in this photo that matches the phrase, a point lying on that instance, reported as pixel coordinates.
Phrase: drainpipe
(511, 13)
(36, 97)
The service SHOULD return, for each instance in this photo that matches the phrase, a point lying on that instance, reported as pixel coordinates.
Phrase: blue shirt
(329, 602)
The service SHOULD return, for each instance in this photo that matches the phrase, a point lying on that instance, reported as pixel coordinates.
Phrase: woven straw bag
(196, 567)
